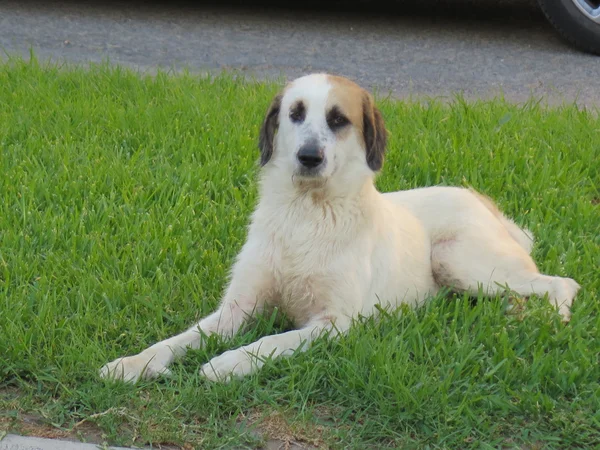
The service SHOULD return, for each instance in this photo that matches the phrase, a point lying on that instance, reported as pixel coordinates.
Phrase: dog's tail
(523, 236)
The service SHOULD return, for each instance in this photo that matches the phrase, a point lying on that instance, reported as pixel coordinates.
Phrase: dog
(325, 246)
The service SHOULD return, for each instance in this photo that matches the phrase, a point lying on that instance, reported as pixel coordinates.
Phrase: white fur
(330, 247)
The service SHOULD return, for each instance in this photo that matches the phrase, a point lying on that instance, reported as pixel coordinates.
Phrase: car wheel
(577, 20)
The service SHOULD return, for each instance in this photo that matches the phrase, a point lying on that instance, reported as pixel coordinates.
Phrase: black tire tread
(569, 29)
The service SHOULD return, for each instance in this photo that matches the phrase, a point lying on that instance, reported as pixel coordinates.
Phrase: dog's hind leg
(522, 236)
(489, 258)
(246, 294)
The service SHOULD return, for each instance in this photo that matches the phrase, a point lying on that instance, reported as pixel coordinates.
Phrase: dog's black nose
(310, 155)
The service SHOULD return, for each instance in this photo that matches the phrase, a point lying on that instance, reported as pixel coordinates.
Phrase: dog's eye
(298, 112)
(340, 120)
(295, 116)
(337, 120)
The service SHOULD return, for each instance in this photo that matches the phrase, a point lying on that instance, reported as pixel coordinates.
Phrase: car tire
(580, 28)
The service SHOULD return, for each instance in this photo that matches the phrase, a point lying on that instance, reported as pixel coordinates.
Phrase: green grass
(124, 199)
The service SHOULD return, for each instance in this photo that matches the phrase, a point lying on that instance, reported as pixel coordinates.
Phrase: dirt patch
(273, 427)
(283, 434)
(29, 425)
(34, 425)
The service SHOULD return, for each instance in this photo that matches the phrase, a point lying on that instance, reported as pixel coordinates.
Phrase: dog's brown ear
(268, 130)
(374, 134)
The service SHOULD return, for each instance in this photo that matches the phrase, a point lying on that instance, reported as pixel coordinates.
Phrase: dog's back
(443, 209)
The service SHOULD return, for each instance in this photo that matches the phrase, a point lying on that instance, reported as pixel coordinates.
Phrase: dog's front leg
(251, 282)
(248, 359)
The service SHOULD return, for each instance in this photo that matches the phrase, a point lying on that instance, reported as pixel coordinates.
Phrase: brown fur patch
(359, 107)
(318, 195)
(347, 95)
(442, 272)
(270, 126)
(319, 198)
(374, 134)
(444, 277)
(488, 203)
(268, 130)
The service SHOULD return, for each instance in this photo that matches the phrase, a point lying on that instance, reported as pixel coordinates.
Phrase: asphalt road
(431, 48)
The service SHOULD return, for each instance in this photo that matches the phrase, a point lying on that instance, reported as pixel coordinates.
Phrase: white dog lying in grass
(325, 246)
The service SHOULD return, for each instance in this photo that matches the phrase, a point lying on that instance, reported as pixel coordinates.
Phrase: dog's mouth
(310, 172)
(304, 178)
(307, 179)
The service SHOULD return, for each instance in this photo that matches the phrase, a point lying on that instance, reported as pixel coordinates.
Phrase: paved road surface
(433, 48)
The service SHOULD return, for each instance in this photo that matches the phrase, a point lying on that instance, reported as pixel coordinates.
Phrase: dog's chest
(311, 252)
(305, 269)
(302, 277)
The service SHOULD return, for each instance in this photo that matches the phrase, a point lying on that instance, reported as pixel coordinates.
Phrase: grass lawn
(124, 199)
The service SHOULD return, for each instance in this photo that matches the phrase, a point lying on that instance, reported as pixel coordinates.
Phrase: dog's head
(321, 125)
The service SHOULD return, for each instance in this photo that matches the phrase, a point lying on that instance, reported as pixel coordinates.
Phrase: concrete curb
(14, 442)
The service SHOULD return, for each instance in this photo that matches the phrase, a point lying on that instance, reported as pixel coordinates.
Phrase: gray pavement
(431, 48)
(13, 442)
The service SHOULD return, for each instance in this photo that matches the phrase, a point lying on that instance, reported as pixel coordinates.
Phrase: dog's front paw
(565, 290)
(233, 363)
(132, 368)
